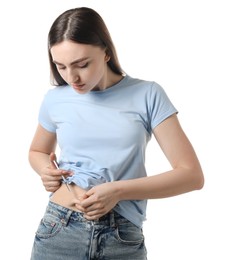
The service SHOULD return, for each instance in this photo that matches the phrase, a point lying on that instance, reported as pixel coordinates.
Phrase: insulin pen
(62, 176)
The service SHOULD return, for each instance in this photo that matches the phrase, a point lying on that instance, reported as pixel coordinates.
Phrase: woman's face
(82, 66)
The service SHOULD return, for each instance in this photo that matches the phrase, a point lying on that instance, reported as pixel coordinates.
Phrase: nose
(72, 77)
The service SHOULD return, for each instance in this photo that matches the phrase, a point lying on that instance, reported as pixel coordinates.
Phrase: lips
(77, 86)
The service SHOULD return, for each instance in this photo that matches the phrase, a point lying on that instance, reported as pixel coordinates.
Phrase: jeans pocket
(128, 233)
(49, 226)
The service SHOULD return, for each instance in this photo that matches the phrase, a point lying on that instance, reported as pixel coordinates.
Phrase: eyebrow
(73, 62)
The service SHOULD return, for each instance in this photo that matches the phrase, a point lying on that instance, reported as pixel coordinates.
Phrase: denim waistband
(110, 219)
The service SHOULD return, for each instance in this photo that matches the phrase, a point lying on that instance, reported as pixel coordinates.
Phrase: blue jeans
(64, 234)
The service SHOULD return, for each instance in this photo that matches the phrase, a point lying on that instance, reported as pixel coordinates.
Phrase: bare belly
(66, 198)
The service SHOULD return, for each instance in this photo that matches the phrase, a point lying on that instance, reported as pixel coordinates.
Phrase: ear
(107, 57)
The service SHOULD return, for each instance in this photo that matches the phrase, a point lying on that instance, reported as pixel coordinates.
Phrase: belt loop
(66, 218)
(112, 219)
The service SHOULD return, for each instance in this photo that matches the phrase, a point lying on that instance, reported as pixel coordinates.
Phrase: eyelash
(84, 66)
(61, 68)
(81, 67)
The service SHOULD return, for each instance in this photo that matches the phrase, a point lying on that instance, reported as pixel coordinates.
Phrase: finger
(52, 185)
(93, 215)
(52, 157)
(93, 209)
(52, 188)
(87, 201)
(53, 172)
(53, 162)
(77, 203)
(79, 207)
(66, 173)
(52, 175)
(89, 192)
(96, 217)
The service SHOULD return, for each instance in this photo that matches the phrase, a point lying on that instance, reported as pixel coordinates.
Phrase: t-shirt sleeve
(44, 117)
(160, 106)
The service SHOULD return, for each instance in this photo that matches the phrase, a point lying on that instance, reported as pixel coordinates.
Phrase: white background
(181, 45)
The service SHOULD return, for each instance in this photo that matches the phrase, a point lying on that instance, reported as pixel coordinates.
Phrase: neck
(109, 80)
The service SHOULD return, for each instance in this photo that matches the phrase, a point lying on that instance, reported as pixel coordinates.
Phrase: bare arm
(186, 175)
(42, 145)
(41, 154)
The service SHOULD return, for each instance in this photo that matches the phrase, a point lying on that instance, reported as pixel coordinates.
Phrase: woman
(102, 120)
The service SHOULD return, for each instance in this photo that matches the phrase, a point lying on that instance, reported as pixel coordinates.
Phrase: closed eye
(61, 68)
(83, 65)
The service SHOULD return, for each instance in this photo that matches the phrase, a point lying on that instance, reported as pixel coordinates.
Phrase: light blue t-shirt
(102, 135)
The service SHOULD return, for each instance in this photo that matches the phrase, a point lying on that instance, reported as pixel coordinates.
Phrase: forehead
(69, 51)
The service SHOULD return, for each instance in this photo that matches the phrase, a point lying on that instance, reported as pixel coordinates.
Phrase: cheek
(62, 74)
(95, 73)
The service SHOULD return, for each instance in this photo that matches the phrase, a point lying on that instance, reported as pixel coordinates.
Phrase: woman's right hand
(51, 176)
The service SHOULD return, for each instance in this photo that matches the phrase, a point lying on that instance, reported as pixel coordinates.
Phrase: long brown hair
(81, 25)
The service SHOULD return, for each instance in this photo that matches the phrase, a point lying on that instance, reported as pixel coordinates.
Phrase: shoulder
(146, 86)
(57, 92)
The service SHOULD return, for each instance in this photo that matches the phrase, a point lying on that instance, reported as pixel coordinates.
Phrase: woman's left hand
(98, 201)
